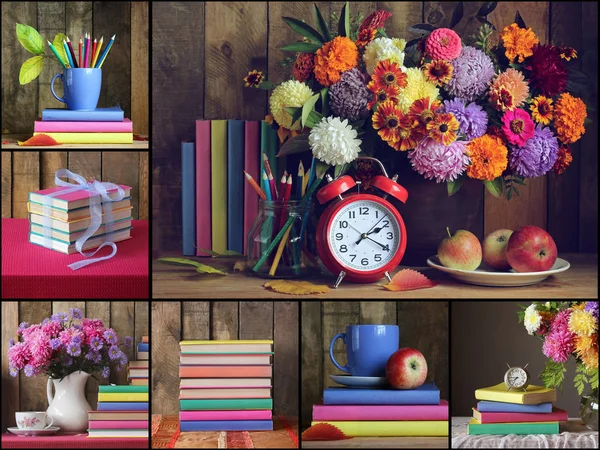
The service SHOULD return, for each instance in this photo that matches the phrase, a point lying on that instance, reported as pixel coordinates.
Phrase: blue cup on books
(368, 348)
(81, 87)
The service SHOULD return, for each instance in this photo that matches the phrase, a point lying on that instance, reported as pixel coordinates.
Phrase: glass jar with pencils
(275, 241)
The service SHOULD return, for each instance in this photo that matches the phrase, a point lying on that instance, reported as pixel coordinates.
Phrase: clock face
(364, 235)
(516, 377)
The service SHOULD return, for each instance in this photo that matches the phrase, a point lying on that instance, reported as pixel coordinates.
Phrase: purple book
(122, 406)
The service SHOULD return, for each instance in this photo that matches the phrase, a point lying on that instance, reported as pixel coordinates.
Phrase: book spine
(122, 389)
(122, 406)
(221, 425)
(271, 150)
(203, 187)
(218, 164)
(512, 428)
(122, 397)
(83, 127)
(67, 115)
(117, 424)
(358, 397)
(235, 185)
(91, 138)
(145, 339)
(143, 347)
(264, 144)
(226, 404)
(391, 428)
(554, 416)
(225, 371)
(251, 165)
(188, 213)
(486, 406)
(259, 414)
(374, 413)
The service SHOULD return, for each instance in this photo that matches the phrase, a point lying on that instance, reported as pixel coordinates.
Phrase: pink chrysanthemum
(518, 126)
(436, 160)
(559, 345)
(561, 321)
(18, 355)
(443, 43)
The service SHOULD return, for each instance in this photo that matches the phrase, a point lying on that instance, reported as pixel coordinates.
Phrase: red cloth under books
(31, 271)
(73, 441)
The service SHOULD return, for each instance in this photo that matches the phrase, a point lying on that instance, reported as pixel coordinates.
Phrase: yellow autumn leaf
(240, 266)
(296, 287)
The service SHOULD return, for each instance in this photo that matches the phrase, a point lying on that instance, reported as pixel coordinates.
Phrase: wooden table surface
(170, 281)
(381, 442)
(136, 145)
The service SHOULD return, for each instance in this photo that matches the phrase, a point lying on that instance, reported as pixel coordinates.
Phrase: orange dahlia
(438, 71)
(333, 58)
(443, 128)
(382, 94)
(564, 159)
(395, 128)
(254, 78)
(567, 53)
(541, 109)
(518, 42)
(508, 90)
(365, 36)
(489, 157)
(387, 73)
(423, 111)
(569, 114)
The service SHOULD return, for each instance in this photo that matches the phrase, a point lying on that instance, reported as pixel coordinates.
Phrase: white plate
(483, 276)
(349, 380)
(47, 432)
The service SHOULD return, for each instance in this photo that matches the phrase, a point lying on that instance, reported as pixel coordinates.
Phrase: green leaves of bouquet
(32, 41)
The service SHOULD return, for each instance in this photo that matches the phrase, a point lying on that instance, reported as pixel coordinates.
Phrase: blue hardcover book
(427, 394)
(486, 406)
(235, 185)
(226, 425)
(143, 347)
(188, 197)
(114, 114)
(122, 406)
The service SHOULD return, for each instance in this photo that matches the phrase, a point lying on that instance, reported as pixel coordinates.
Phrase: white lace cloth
(573, 434)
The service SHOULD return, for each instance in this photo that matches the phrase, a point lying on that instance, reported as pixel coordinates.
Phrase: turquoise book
(235, 185)
(123, 389)
(188, 197)
(226, 404)
(268, 144)
(523, 428)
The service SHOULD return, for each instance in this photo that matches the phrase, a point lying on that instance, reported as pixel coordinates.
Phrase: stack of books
(500, 411)
(101, 126)
(70, 219)
(225, 386)
(122, 412)
(137, 371)
(370, 412)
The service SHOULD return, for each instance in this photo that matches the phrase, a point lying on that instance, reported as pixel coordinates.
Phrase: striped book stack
(137, 372)
(226, 386)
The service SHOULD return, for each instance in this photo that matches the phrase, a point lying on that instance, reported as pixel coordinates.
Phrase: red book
(117, 424)
(203, 211)
(557, 415)
(72, 440)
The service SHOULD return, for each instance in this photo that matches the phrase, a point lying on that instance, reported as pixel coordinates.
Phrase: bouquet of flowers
(60, 346)
(566, 329)
(496, 113)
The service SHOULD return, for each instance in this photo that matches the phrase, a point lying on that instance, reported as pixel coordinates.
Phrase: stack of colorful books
(502, 411)
(122, 412)
(70, 219)
(100, 126)
(137, 371)
(370, 412)
(226, 386)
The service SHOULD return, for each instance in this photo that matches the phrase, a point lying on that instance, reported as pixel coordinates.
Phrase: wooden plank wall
(23, 172)
(124, 76)
(423, 325)
(230, 38)
(29, 394)
(176, 321)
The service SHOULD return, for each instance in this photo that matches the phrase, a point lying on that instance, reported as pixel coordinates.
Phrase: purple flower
(28, 369)
(13, 371)
(94, 356)
(54, 343)
(473, 70)
(110, 336)
(76, 326)
(114, 352)
(106, 372)
(23, 325)
(11, 342)
(592, 307)
(96, 343)
(76, 339)
(128, 341)
(537, 156)
(348, 97)
(68, 361)
(60, 317)
(123, 360)
(45, 321)
(74, 349)
(472, 119)
(76, 313)
(434, 160)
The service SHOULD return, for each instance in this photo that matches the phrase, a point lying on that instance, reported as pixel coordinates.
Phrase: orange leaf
(407, 280)
(324, 432)
(40, 139)
(296, 287)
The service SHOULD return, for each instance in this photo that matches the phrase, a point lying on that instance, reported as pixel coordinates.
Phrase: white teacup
(35, 420)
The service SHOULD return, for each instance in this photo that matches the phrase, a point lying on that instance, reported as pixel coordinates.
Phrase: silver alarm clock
(516, 377)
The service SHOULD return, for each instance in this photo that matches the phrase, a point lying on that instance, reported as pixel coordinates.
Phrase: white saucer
(349, 380)
(47, 432)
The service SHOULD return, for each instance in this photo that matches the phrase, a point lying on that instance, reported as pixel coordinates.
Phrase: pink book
(72, 200)
(557, 415)
(41, 126)
(117, 424)
(384, 412)
(226, 415)
(251, 165)
(203, 211)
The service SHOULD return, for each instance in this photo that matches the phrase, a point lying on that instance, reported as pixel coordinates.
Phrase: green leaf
(321, 24)
(304, 29)
(200, 268)
(457, 15)
(324, 102)
(494, 187)
(486, 8)
(454, 186)
(344, 24)
(218, 255)
(422, 29)
(519, 20)
(305, 47)
(30, 39)
(340, 170)
(307, 108)
(381, 33)
(296, 144)
(313, 119)
(295, 112)
(60, 48)
(31, 69)
(266, 85)
(553, 374)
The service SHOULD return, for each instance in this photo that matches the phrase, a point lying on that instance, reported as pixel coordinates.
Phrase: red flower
(383, 93)
(375, 20)
(303, 66)
(548, 70)
(365, 36)
(563, 161)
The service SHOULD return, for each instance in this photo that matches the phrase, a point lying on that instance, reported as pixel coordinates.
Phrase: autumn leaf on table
(39, 139)
(324, 432)
(296, 287)
(200, 268)
(408, 280)
(240, 266)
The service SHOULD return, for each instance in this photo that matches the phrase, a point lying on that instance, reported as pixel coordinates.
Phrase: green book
(123, 389)
(218, 184)
(226, 404)
(475, 427)
(269, 145)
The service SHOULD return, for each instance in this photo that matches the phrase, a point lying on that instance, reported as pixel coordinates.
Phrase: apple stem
(448, 230)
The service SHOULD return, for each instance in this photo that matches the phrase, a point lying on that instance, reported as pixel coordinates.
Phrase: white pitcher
(68, 407)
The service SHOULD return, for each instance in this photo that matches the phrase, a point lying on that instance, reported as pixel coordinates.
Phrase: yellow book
(123, 397)
(218, 184)
(392, 428)
(226, 347)
(534, 395)
(91, 138)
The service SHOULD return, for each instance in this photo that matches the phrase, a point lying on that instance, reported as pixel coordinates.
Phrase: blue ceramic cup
(81, 87)
(368, 348)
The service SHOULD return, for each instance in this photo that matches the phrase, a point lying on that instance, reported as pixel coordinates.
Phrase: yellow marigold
(541, 109)
(582, 323)
(569, 114)
(509, 90)
(417, 87)
(518, 42)
(333, 58)
(590, 358)
(489, 157)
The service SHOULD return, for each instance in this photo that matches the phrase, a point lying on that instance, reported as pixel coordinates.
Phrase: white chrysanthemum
(532, 319)
(384, 48)
(290, 93)
(334, 141)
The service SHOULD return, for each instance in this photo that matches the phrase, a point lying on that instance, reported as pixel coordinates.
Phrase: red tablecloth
(31, 271)
(66, 441)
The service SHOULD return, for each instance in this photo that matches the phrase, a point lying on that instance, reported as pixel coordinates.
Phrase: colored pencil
(267, 165)
(300, 182)
(93, 53)
(286, 192)
(80, 51)
(95, 60)
(84, 46)
(311, 181)
(282, 186)
(255, 185)
(265, 185)
(87, 52)
(272, 186)
(68, 53)
(279, 252)
(75, 65)
(56, 54)
(106, 50)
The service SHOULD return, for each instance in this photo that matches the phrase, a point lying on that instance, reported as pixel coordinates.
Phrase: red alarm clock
(361, 237)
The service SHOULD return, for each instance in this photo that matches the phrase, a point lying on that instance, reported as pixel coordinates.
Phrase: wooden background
(230, 38)
(29, 394)
(423, 325)
(124, 75)
(173, 322)
(23, 172)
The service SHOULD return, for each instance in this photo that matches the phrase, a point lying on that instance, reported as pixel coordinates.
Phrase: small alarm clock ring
(516, 377)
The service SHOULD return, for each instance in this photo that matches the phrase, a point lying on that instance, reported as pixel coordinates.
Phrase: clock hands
(371, 231)
(385, 247)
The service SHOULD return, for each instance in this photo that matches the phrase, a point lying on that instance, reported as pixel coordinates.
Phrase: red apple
(531, 249)
(461, 251)
(406, 369)
(494, 249)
